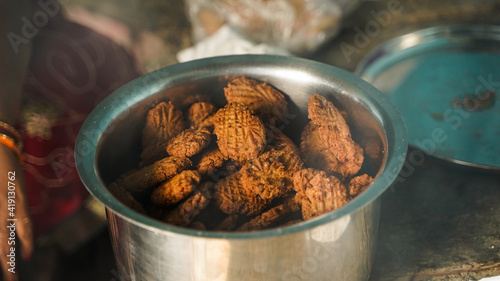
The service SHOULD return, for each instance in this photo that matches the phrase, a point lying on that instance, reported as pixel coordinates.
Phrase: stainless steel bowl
(335, 246)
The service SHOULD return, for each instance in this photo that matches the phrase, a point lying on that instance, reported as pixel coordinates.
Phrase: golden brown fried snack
(348, 153)
(175, 189)
(185, 213)
(270, 217)
(260, 97)
(318, 193)
(229, 223)
(240, 134)
(186, 101)
(285, 150)
(314, 151)
(265, 177)
(372, 144)
(199, 113)
(232, 198)
(289, 157)
(333, 134)
(126, 198)
(150, 176)
(277, 140)
(255, 185)
(358, 184)
(189, 142)
(322, 112)
(210, 161)
(163, 122)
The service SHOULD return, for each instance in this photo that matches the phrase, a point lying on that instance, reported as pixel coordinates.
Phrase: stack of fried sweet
(233, 169)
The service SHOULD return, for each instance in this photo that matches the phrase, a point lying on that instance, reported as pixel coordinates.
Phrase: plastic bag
(225, 41)
(299, 26)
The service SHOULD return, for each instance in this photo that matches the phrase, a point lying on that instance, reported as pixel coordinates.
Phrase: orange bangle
(10, 143)
(11, 130)
(17, 142)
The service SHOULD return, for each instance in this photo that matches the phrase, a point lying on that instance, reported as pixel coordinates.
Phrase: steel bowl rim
(102, 116)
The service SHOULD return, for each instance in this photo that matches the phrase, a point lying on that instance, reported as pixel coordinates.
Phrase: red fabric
(71, 70)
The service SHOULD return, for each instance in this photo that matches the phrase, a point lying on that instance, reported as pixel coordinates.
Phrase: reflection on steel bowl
(338, 245)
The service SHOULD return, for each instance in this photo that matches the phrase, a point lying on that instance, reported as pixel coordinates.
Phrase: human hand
(14, 216)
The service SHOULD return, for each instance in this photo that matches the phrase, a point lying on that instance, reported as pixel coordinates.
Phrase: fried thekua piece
(255, 185)
(126, 198)
(277, 140)
(270, 217)
(314, 151)
(285, 150)
(265, 176)
(189, 142)
(373, 147)
(186, 212)
(334, 134)
(175, 189)
(232, 198)
(318, 193)
(240, 134)
(210, 161)
(150, 176)
(186, 101)
(358, 184)
(288, 157)
(163, 122)
(199, 113)
(228, 223)
(260, 97)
